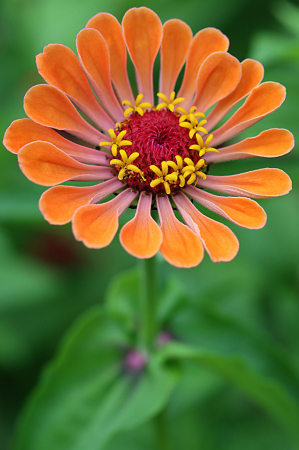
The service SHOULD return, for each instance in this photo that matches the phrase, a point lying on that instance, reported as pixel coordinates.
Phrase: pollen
(193, 170)
(138, 108)
(203, 147)
(194, 125)
(164, 150)
(125, 166)
(169, 103)
(117, 141)
(188, 116)
(163, 177)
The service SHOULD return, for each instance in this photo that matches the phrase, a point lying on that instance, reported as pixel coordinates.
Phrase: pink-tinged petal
(24, 131)
(218, 76)
(181, 247)
(177, 36)
(45, 164)
(262, 101)
(204, 43)
(242, 211)
(261, 183)
(218, 240)
(268, 144)
(94, 56)
(143, 33)
(48, 106)
(141, 236)
(252, 75)
(96, 225)
(58, 204)
(112, 31)
(60, 67)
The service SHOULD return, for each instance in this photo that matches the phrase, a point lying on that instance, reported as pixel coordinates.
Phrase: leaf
(123, 295)
(85, 396)
(266, 392)
(35, 283)
(288, 15)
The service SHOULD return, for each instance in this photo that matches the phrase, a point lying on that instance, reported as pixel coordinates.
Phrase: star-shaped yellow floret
(194, 126)
(125, 163)
(169, 103)
(193, 170)
(203, 147)
(117, 141)
(177, 168)
(138, 106)
(189, 115)
(163, 176)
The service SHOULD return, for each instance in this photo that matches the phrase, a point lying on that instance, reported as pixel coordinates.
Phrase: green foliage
(86, 396)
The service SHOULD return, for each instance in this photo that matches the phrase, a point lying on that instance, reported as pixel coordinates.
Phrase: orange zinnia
(159, 154)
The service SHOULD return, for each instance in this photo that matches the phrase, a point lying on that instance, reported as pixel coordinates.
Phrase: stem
(161, 431)
(149, 295)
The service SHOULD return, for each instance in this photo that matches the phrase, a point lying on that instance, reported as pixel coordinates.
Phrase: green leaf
(123, 295)
(266, 392)
(288, 14)
(85, 396)
(35, 283)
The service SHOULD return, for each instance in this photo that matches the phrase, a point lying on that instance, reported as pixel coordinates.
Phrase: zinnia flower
(158, 155)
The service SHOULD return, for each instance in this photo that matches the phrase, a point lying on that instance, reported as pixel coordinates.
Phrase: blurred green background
(47, 278)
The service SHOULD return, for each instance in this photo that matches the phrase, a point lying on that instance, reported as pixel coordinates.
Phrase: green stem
(161, 431)
(149, 294)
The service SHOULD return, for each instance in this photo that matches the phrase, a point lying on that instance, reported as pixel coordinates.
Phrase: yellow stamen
(178, 167)
(169, 103)
(203, 147)
(117, 141)
(187, 115)
(163, 176)
(193, 170)
(194, 126)
(138, 108)
(125, 163)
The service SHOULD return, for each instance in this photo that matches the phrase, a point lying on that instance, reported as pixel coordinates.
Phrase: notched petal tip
(44, 164)
(181, 247)
(219, 241)
(96, 225)
(141, 236)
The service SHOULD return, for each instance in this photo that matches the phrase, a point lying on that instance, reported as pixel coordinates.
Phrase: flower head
(153, 151)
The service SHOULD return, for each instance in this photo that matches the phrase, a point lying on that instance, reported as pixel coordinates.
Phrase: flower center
(157, 137)
(159, 150)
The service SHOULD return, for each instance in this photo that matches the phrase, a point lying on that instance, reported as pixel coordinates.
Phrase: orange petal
(141, 237)
(177, 36)
(96, 225)
(59, 203)
(218, 76)
(181, 247)
(242, 211)
(45, 164)
(269, 144)
(262, 101)
(204, 43)
(252, 75)
(50, 107)
(219, 241)
(24, 131)
(60, 67)
(94, 56)
(143, 33)
(112, 31)
(262, 183)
